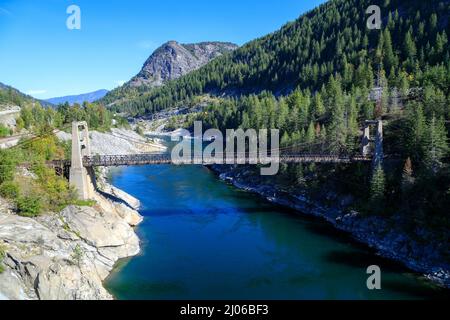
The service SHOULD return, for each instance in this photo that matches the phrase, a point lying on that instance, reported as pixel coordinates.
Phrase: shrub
(85, 203)
(2, 256)
(29, 206)
(4, 131)
(8, 160)
(77, 255)
(9, 189)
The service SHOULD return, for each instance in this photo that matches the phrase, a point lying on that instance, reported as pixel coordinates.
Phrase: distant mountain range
(88, 97)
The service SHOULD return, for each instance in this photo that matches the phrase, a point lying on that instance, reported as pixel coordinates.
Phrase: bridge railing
(147, 159)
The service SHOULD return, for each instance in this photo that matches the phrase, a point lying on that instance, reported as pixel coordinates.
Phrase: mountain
(10, 95)
(173, 60)
(331, 39)
(169, 62)
(89, 97)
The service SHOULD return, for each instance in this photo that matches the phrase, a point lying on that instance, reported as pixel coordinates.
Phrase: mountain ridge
(298, 57)
(80, 98)
(173, 60)
(9, 94)
(170, 61)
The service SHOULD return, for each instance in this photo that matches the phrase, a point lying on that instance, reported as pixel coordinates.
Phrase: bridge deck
(148, 159)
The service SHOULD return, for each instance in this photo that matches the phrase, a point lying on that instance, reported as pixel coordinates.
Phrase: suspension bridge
(81, 175)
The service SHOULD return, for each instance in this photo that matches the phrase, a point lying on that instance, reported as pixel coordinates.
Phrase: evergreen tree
(319, 108)
(416, 131)
(390, 59)
(338, 129)
(407, 177)
(377, 188)
(409, 45)
(436, 145)
(352, 123)
(310, 133)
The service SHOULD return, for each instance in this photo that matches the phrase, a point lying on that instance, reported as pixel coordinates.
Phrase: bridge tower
(378, 152)
(79, 177)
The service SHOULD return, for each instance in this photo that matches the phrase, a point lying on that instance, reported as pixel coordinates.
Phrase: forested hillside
(410, 49)
(10, 95)
(312, 80)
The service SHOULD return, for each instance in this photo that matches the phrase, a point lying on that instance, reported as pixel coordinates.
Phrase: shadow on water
(363, 259)
(419, 289)
(419, 286)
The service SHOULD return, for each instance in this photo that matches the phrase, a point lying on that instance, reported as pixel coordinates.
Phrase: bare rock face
(118, 141)
(68, 255)
(173, 60)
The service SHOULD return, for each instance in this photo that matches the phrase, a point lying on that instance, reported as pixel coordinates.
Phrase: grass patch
(85, 203)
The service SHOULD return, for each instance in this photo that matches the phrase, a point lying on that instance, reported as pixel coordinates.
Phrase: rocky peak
(173, 60)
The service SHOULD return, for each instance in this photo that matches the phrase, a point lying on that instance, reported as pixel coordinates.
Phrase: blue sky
(40, 56)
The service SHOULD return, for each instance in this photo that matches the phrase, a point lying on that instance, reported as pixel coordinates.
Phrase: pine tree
(410, 45)
(377, 187)
(283, 114)
(390, 59)
(310, 133)
(337, 130)
(352, 123)
(416, 132)
(436, 145)
(407, 176)
(319, 108)
(285, 140)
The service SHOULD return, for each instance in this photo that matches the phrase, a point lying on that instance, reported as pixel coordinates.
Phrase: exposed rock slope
(65, 256)
(118, 141)
(173, 60)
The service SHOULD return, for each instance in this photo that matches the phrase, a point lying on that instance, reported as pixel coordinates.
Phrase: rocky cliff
(65, 255)
(173, 60)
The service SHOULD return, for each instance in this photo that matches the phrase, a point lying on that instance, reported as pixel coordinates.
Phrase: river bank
(422, 253)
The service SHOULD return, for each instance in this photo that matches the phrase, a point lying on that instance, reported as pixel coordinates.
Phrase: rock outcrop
(66, 255)
(118, 141)
(8, 115)
(173, 60)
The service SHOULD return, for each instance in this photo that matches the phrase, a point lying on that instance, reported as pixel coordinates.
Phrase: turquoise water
(204, 239)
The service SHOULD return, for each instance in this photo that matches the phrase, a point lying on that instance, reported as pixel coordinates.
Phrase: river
(204, 239)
